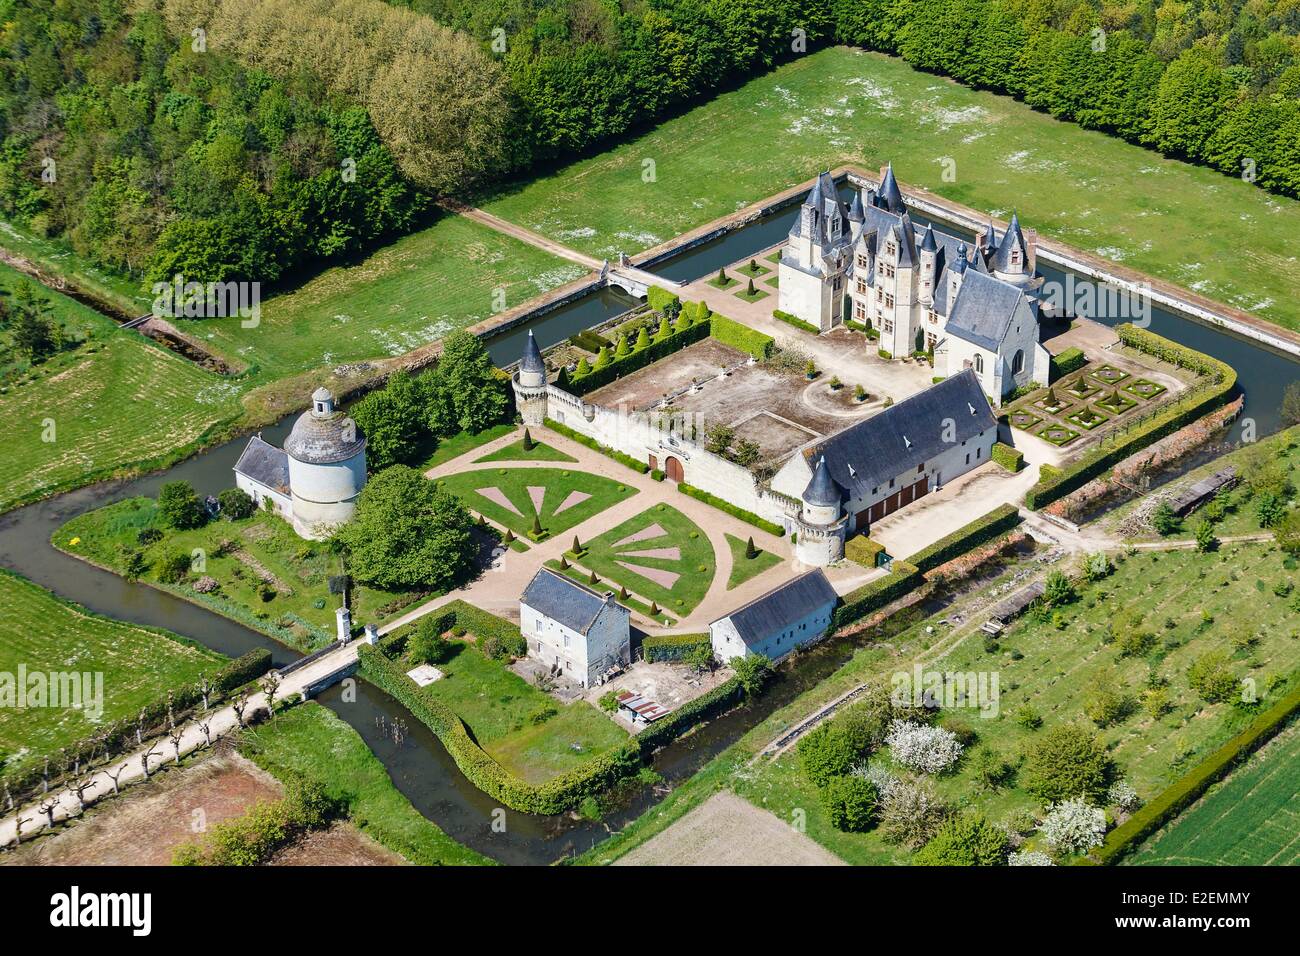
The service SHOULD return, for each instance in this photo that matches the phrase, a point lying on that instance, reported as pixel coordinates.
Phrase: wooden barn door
(673, 469)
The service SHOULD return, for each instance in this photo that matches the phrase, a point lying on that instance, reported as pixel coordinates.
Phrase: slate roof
(905, 435)
(265, 464)
(822, 490)
(889, 193)
(984, 309)
(1012, 239)
(532, 360)
(563, 599)
(782, 607)
(324, 439)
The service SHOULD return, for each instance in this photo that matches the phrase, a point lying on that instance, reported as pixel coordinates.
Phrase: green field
(524, 729)
(514, 483)
(400, 297)
(57, 259)
(115, 402)
(239, 556)
(1251, 819)
(44, 634)
(311, 741)
(841, 105)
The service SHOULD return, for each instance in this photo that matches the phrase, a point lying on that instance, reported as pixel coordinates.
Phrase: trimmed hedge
(594, 445)
(794, 320)
(1219, 380)
(729, 332)
(874, 595)
(659, 298)
(1012, 459)
(672, 647)
(862, 550)
(747, 516)
(639, 359)
(1187, 789)
(1070, 360)
(966, 538)
(590, 341)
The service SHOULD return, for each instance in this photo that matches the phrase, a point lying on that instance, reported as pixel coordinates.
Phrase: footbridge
(632, 280)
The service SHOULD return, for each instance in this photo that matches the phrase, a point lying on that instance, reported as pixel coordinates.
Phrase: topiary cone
(537, 524)
(577, 545)
(529, 444)
(592, 579)
(751, 552)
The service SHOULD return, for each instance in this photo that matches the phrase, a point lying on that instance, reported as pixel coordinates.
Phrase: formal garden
(748, 561)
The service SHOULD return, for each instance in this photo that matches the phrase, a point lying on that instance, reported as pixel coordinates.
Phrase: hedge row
(457, 615)
(1012, 459)
(794, 320)
(594, 445)
(675, 342)
(966, 538)
(1220, 380)
(747, 516)
(555, 796)
(862, 550)
(1186, 790)
(672, 647)
(659, 298)
(875, 594)
(729, 332)
(1070, 360)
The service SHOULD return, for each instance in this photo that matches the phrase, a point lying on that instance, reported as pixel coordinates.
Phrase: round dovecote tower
(529, 384)
(821, 525)
(327, 467)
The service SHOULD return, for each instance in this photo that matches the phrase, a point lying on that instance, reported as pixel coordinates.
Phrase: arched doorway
(673, 469)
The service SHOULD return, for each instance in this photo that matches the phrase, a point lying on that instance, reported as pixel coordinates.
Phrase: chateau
(920, 290)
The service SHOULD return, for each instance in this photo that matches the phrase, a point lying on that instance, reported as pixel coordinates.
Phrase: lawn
(240, 556)
(55, 258)
(117, 401)
(43, 633)
(516, 451)
(842, 105)
(524, 729)
(568, 498)
(669, 562)
(311, 741)
(454, 446)
(407, 294)
(1251, 819)
(743, 568)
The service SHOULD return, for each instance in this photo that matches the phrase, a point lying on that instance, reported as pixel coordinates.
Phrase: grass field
(692, 569)
(117, 401)
(514, 484)
(405, 295)
(310, 740)
(454, 446)
(743, 568)
(844, 106)
(44, 634)
(55, 259)
(1251, 819)
(239, 556)
(524, 729)
(517, 452)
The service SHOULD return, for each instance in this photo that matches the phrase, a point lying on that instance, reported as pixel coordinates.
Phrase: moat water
(420, 767)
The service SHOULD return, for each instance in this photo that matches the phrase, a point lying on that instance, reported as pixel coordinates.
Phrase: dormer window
(1015, 257)
(907, 442)
(852, 472)
(971, 407)
(979, 364)
(889, 249)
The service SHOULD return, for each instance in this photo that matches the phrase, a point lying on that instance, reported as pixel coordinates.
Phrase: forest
(225, 139)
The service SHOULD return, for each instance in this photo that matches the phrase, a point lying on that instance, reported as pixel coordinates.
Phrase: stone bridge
(632, 280)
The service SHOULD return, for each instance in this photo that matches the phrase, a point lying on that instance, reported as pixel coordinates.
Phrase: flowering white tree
(880, 778)
(1029, 858)
(1122, 796)
(1073, 826)
(923, 748)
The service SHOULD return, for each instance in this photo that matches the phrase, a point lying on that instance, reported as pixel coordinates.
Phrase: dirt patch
(144, 825)
(646, 386)
(340, 845)
(727, 830)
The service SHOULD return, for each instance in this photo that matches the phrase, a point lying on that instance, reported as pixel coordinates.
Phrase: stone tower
(821, 525)
(529, 384)
(327, 467)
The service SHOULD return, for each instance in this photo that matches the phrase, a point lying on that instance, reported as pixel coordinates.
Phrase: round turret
(327, 467)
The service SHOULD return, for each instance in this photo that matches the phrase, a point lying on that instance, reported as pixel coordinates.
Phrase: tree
(172, 566)
(408, 534)
(1165, 520)
(923, 748)
(603, 358)
(1205, 537)
(623, 349)
(179, 506)
(32, 331)
(966, 840)
(718, 437)
(749, 288)
(1065, 762)
(393, 420)
(1288, 532)
(477, 391)
(664, 330)
(699, 658)
(751, 552)
(642, 340)
(850, 803)
(825, 753)
(236, 504)
(1059, 590)
(1270, 509)
(1291, 405)
(746, 453)
(584, 368)
(1097, 566)
(752, 671)
(427, 645)
(529, 443)
(1073, 826)
(1211, 676)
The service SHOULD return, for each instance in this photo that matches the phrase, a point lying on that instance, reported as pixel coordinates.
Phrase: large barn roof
(782, 607)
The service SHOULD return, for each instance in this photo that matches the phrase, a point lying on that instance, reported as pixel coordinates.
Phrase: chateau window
(889, 272)
(862, 285)
(979, 364)
(889, 249)
(838, 283)
(879, 293)
(860, 311)
(889, 301)
(934, 316)
(1015, 257)
(863, 263)
(889, 326)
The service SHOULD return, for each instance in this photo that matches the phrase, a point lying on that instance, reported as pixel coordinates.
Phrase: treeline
(1194, 81)
(152, 158)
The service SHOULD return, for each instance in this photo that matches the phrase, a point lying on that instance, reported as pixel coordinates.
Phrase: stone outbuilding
(793, 615)
(579, 633)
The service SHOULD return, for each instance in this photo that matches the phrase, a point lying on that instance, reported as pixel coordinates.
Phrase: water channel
(419, 765)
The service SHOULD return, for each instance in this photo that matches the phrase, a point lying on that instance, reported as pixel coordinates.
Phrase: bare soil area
(647, 386)
(339, 845)
(727, 830)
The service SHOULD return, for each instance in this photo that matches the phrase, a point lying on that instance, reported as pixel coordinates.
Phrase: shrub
(608, 701)
(1066, 762)
(795, 321)
(673, 647)
(236, 504)
(873, 595)
(968, 537)
(825, 753)
(589, 442)
(730, 332)
(1070, 360)
(752, 671)
(1059, 590)
(966, 840)
(910, 812)
(1122, 796)
(659, 298)
(746, 516)
(1211, 676)
(1165, 520)
(866, 721)
(850, 803)
(862, 550)
(1029, 858)
(172, 566)
(427, 645)
(923, 748)
(1028, 717)
(1097, 566)
(179, 506)
(1012, 459)
(1073, 826)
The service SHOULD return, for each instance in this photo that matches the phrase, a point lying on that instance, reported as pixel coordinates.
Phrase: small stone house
(793, 615)
(576, 631)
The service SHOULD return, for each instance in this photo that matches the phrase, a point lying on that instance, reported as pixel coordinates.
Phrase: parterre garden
(1084, 401)
(535, 503)
(44, 634)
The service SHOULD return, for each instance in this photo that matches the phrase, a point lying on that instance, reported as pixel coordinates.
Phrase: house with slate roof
(881, 464)
(793, 615)
(577, 632)
(920, 289)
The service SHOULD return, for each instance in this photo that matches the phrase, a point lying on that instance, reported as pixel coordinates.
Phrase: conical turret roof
(822, 490)
(532, 360)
